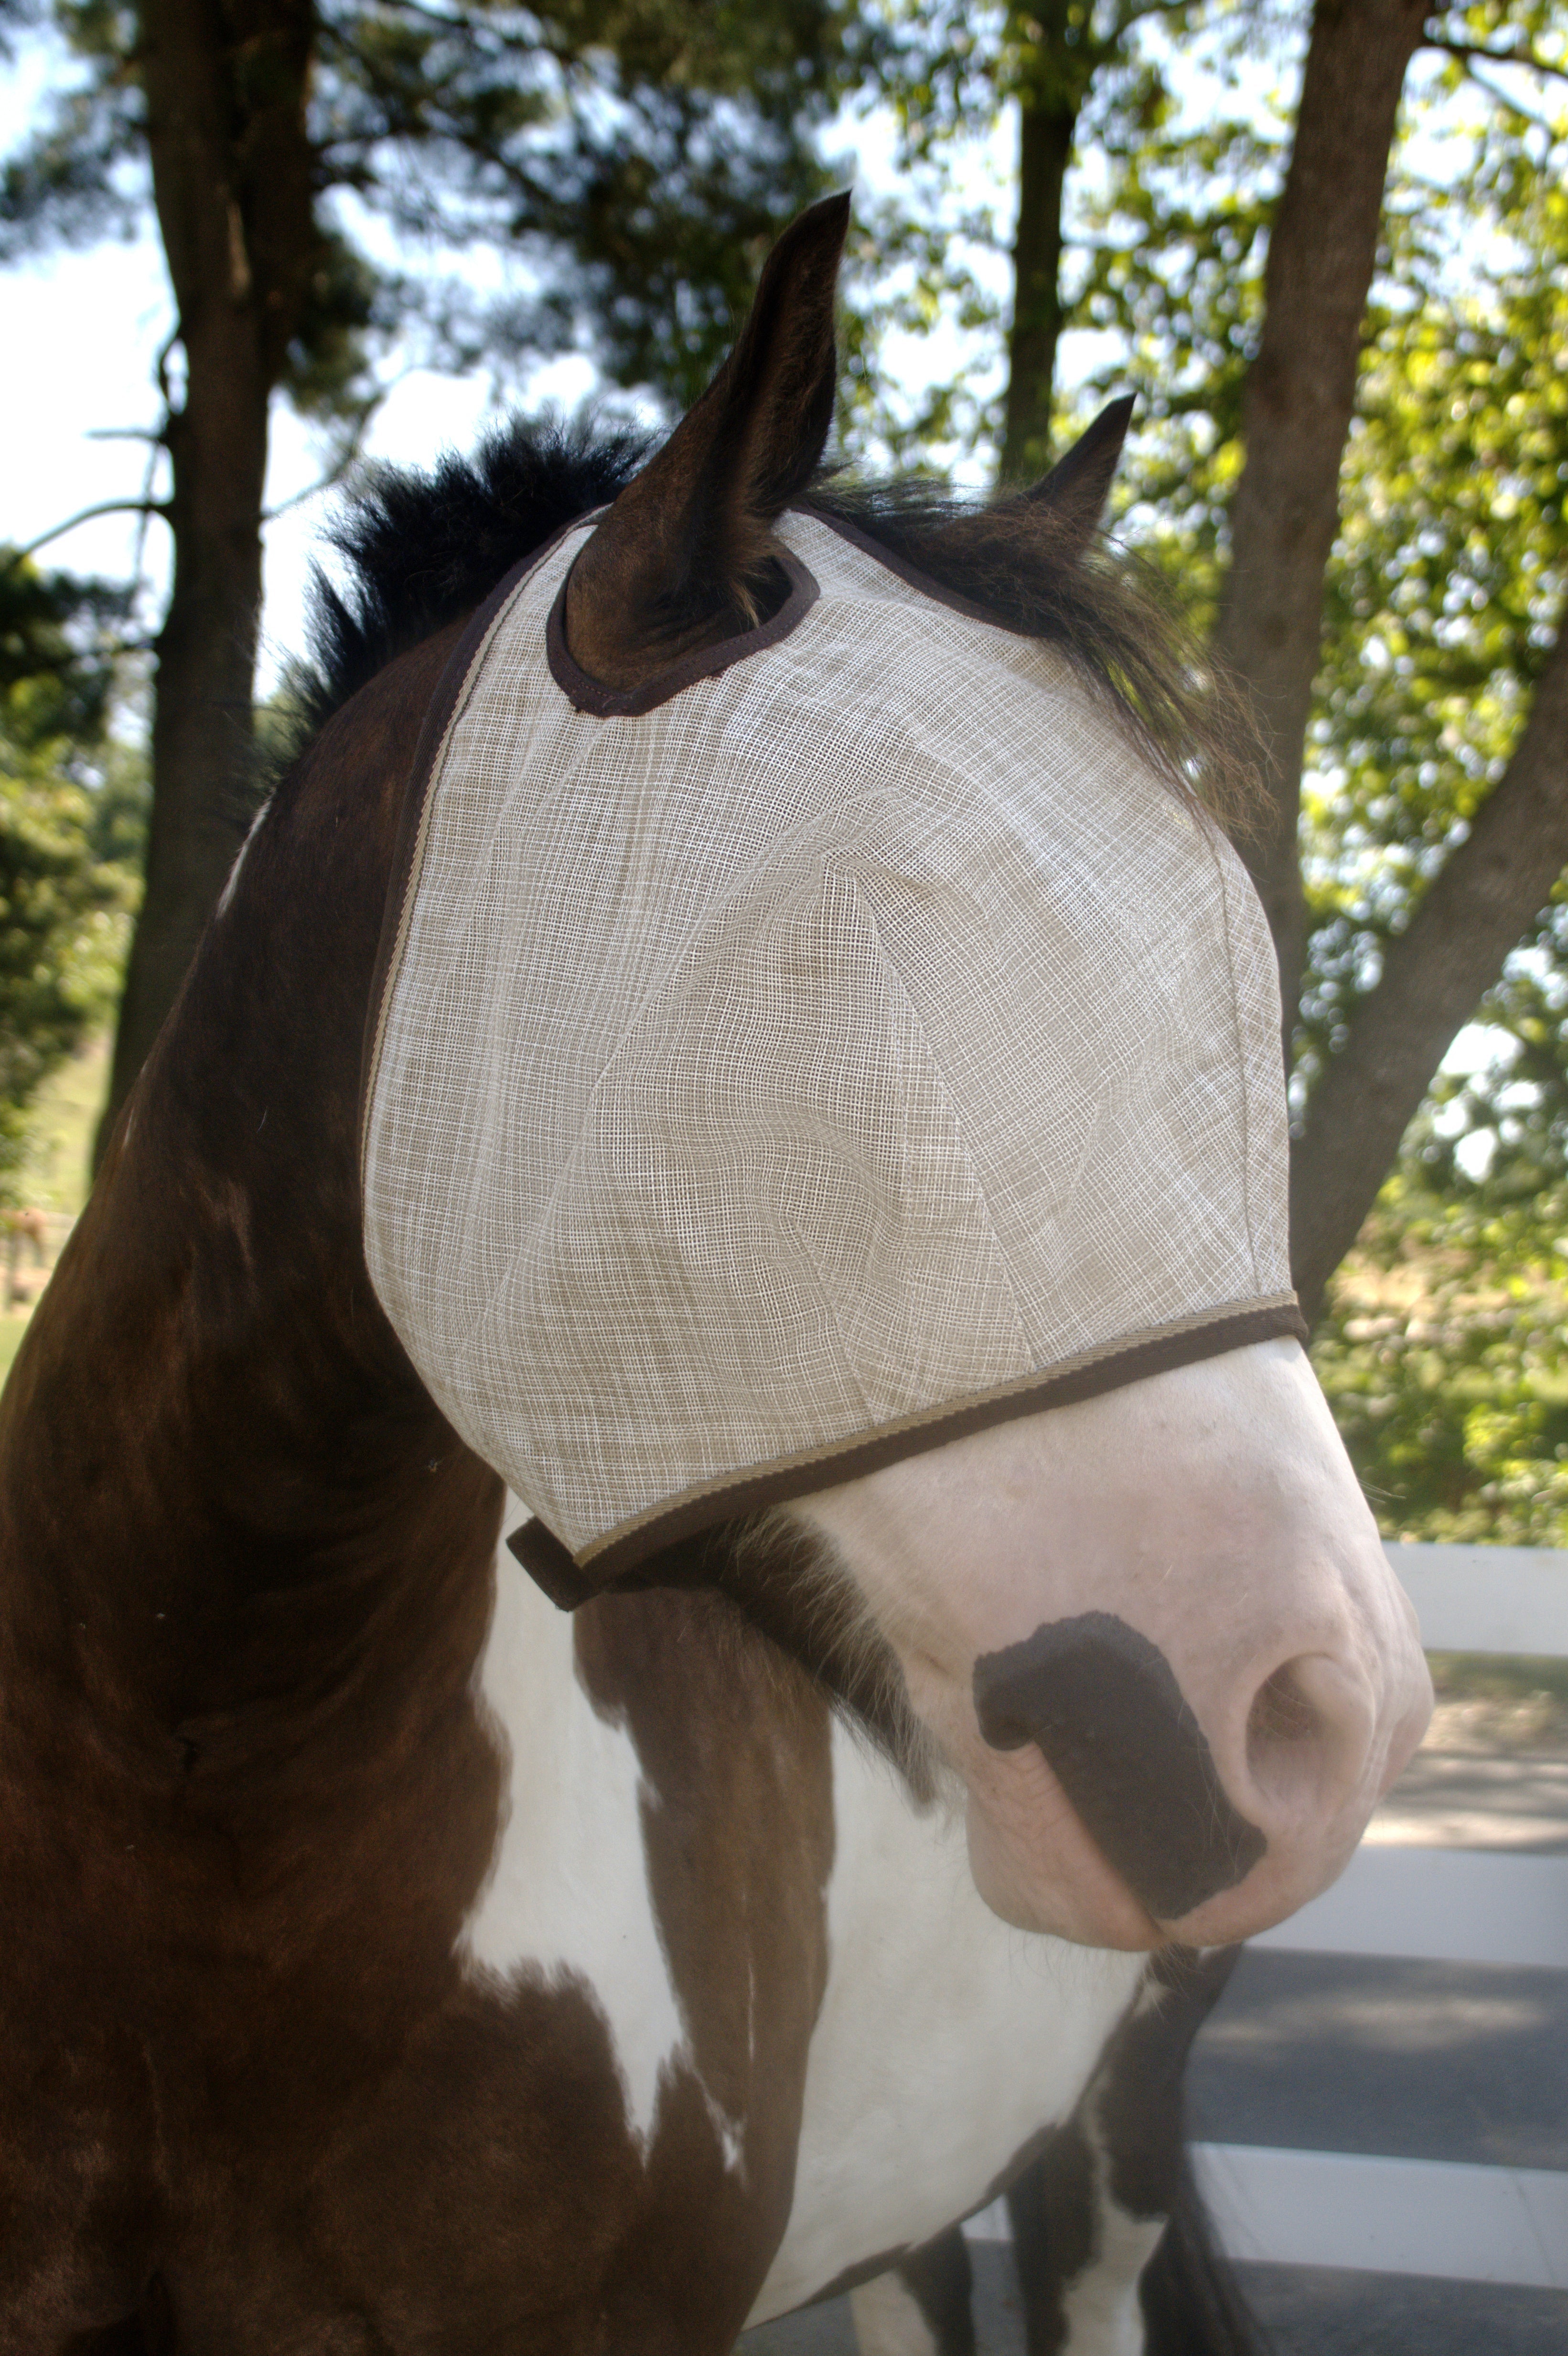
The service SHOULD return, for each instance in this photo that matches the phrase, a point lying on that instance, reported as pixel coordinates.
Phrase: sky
(89, 326)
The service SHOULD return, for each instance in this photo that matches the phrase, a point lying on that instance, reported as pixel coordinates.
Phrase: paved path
(1459, 1799)
(1351, 2054)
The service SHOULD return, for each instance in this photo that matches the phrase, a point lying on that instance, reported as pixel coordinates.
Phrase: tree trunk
(1045, 151)
(1296, 409)
(202, 688)
(1057, 60)
(224, 88)
(1435, 974)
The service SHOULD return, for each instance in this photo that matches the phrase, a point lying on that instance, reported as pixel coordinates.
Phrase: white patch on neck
(945, 2041)
(568, 1897)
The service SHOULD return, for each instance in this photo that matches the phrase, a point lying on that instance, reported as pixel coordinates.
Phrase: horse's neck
(220, 1481)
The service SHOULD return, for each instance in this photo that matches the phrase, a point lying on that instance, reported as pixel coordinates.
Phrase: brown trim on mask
(437, 719)
(704, 662)
(627, 1555)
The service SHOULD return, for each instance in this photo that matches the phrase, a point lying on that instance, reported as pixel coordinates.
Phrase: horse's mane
(421, 549)
(1110, 613)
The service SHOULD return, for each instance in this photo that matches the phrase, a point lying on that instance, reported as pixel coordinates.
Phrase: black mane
(423, 548)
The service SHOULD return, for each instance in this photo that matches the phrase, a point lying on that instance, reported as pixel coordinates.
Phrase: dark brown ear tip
(799, 279)
(824, 224)
(1109, 425)
(1080, 479)
(831, 212)
(1115, 418)
(1099, 445)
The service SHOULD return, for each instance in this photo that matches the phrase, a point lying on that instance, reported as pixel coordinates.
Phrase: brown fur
(739, 1839)
(245, 1572)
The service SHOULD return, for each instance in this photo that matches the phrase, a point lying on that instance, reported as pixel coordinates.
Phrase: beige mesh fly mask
(844, 1044)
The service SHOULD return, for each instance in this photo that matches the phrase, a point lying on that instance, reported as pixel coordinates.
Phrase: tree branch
(1511, 105)
(329, 481)
(1435, 975)
(1131, 13)
(86, 515)
(1471, 53)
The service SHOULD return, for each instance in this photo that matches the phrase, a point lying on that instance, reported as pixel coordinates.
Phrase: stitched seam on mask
(905, 997)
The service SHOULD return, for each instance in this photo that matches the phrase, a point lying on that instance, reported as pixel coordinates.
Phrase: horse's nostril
(1294, 1739)
(1281, 1713)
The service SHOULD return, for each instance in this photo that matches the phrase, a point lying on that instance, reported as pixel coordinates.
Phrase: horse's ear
(687, 543)
(1079, 484)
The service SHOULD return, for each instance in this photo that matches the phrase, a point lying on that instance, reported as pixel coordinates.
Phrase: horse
(597, 1914)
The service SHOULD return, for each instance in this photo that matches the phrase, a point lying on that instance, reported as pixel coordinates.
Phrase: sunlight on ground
(56, 1177)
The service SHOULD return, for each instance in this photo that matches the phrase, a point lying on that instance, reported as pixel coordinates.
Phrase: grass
(58, 1171)
(65, 1114)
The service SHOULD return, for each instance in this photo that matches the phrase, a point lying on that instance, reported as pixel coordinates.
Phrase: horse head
(903, 1164)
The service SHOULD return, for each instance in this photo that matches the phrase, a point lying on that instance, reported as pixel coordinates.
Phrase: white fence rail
(1449, 1905)
(1442, 1905)
(1484, 1599)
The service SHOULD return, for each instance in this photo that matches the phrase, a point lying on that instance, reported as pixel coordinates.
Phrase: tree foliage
(1442, 1353)
(635, 157)
(315, 171)
(71, 825)
(1447, 585)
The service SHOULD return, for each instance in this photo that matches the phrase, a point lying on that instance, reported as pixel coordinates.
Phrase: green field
(56, 1175)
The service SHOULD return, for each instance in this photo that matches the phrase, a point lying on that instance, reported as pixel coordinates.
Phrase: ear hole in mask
(750, 605)
(768, 593)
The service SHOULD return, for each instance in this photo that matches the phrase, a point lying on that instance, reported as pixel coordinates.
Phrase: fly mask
(842, 1044)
